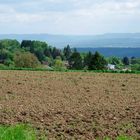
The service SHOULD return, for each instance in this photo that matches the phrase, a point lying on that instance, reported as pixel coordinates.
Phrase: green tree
(48, 51)
(114, 60)
(7, 49)
(126, 61)
(5, 55)
(87, 60)
(135, 61)
(36, 47)
(135, 67)
(10, 45)
(75, 61)
(98, 62)
(26, 44)
(56, 52)
(9, 63)
(67, 52)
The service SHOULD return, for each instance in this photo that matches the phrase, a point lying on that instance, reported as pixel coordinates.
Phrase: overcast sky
(69, 16)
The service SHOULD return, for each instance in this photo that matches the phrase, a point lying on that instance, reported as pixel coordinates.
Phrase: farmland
(72, 105)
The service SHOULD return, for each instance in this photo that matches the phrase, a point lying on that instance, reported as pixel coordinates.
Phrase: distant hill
(111, 44)
(119, 52)
(121, 40)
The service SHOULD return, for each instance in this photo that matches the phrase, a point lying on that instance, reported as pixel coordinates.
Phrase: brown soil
(72, 105)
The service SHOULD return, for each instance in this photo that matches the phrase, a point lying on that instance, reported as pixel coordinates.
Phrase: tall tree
(87, 59)
(56, 52)
(75, 61)
(126, 60)
(26, 44)
(47, 52)
(98, 62)
(67, 52)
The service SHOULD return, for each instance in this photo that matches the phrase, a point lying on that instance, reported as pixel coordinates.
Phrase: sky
(82, 17)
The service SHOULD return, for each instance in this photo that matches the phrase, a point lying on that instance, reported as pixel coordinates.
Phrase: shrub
(59, 65)
(26, 60)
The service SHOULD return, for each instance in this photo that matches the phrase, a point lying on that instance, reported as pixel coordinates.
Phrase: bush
(59, 65)
(135, 67)
(9, 62)
(2, 66)
(26, 60)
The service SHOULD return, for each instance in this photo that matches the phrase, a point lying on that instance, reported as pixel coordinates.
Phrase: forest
(38, 54)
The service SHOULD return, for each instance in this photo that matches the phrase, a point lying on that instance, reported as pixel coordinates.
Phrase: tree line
(34, 54)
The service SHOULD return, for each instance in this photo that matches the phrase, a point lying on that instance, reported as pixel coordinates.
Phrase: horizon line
(70, 34)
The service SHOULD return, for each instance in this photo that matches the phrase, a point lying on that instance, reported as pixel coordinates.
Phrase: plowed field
(72, 105)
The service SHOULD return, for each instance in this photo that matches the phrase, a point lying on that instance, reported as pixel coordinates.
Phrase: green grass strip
(17, 132)
(24, 132)
(94, 71)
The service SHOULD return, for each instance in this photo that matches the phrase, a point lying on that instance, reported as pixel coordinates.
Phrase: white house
(111, 67)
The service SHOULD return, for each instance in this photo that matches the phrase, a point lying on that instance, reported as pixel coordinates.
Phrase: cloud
(69, 17)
